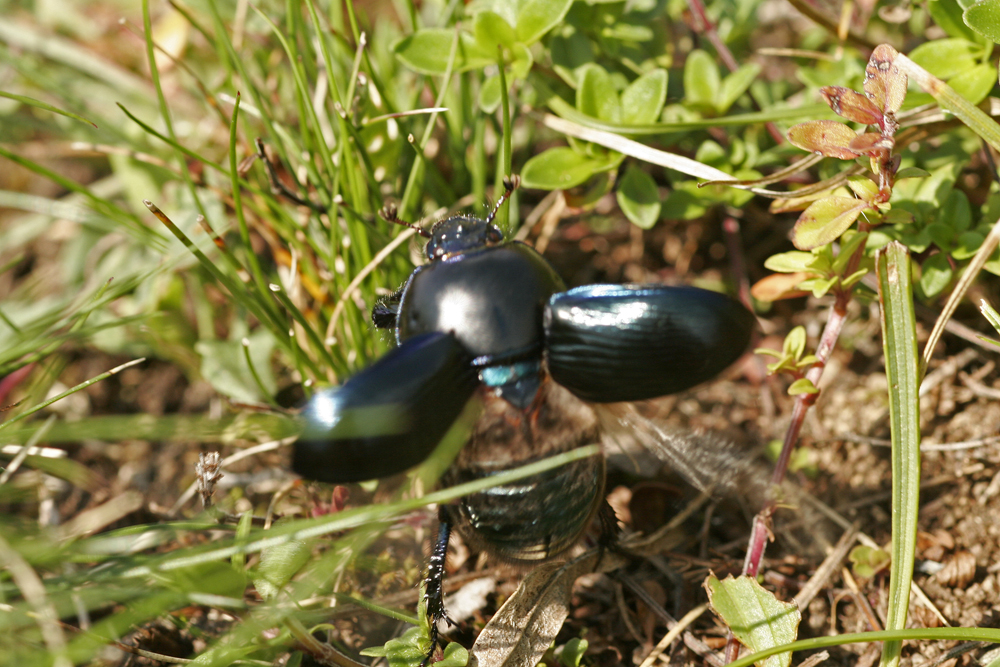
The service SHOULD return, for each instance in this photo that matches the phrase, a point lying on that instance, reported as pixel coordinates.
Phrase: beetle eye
(494, 235)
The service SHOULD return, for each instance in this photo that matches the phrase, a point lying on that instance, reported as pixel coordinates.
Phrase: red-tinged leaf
(885, 85)
(852, 105)
(826, 137)
(779, 286)
(825, 220)
(871, 144)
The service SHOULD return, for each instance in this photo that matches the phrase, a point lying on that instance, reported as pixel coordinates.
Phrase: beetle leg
(509, 185)
(609, 538)
(386, 310)
(434, 593)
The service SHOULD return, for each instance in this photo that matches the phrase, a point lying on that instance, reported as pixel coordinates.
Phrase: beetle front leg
(609, 537)
(434, 584)
(386, 310)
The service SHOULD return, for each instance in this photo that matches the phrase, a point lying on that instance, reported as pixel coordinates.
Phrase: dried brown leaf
(527, 623)
(779, 286)
(871, 144)
(884, 84)
(826, 137)
(851, 104)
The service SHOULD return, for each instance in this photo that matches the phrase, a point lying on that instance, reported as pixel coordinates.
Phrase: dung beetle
(492, 318)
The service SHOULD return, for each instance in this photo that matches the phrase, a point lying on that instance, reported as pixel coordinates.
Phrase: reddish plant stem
(734, 246)
(761, 531)
(698, 9)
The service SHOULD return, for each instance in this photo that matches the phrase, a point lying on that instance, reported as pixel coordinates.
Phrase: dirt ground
(841, 479)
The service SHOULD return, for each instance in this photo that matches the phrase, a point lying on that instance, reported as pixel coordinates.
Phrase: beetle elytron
(492, 318)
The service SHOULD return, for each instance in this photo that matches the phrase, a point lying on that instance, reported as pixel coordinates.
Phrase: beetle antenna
(390, 214)
(509, 185)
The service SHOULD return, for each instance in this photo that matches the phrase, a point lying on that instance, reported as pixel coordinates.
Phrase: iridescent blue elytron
(492, 318)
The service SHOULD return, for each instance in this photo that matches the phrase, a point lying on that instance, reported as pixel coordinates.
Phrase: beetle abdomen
(538, 517)
(492, 300)
(609, 343)
(542, 515)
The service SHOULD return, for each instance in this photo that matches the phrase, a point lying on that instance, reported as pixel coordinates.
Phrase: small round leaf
(638, 197)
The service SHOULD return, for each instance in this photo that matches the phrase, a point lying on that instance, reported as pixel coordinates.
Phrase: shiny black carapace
(491, 317)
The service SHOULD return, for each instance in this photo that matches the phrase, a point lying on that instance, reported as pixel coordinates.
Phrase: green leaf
(948, 15)
(278, 564)
(701, 79)
(642, 101)
(802, 386)
(685, 202)
(936, 274)
(559, 169)
(767, 351)
(934, 190)
(505, 9)
(455, 655)
(572, 653)
(984, 18)
(597, 186)
(818, 286)
(976, 83)
(825, 220)
(757, 618)
(596, 96)
(897, 216)
(849, 242)
(734, 85)
(956, 212)
(537, 17)
(868, 561)
(427, 51)
(522, 61)
(789, 262)
(489, 94)
(864, 187)
(944, 58)
(848, 281)
(405, 651)
(492, 31)
(638, 197)
(224, 366)
(941, 234)
(912, 172)
(966, 245)
(210, 578)
(569, 53)
(795, 342)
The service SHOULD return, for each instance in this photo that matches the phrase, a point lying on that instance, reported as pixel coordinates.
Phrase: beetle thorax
(492, 300)
(460, 234)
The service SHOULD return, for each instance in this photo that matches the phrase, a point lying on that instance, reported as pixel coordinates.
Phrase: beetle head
(459, 234)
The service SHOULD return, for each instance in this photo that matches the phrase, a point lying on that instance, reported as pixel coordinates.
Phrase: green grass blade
(47, 107)
(967, 112)
(991, 635)
(899, 340)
